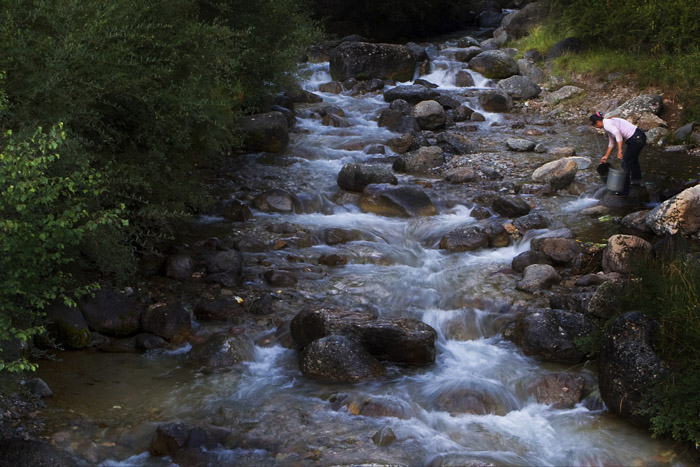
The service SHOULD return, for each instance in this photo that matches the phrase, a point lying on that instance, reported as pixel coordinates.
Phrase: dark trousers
(630, 160)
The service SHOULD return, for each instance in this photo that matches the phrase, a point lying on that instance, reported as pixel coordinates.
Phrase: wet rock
(469, 400)
(464, 174)
(179, 267)
(339, 359)
(680, 214)
(276, 200)
(455, 143)
(236, 211)
(219, 309)
(531, 221)
(413, 94)
(430, 115)
(38, 387)
(111, 313)
(520, 144)
(402, 201)
(538, 277)
(552, 334)
(229, 261)
(355, 177)
(526, 258)
(223, 351)
(464, 79)
(67, 326)
(332, 87)
(497, 234)
(335, 121)
(399, 340)
(146, 341)
(251, 244)
(559, 174)
(636, 221)
(17, 452)
(267, 132)
(469, 238)
(494, 100)
(520, 87)
(566, 46)
(420, 161)
(562, 390)
(384, 437)
(494, 64)
(401, 144)
(364, 60)
(622, 250)
(511, 206)
(628, 366)
(386, 407)
(397, 121)
(170, 321)
(337, 236)
(279, 278)
(172, 438)
(560, 250)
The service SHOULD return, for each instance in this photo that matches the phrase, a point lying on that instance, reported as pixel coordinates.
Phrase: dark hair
(596, 117)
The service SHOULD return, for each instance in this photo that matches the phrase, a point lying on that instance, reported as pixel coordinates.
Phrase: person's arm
(619, 150)
(604, 159)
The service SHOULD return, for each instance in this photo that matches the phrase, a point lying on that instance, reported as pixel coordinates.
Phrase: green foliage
(46, 210)
(668, 290)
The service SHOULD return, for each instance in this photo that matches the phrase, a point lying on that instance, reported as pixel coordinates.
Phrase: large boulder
(266, 132)
(622, 250)
(401, 201)
(412, 93)
(224, 267)
(562, 390)
(518, 23)
(170, 321)
(552, 334)
(495, 100)
(339, 359)
(219, 309)
(494, 64)
(364, 60)
(638, 106)
(566, 46)
(559, 174)
(221, 351)
(532, 71)
(469, 238)
(520, 87)
(510, 206)
(680, 214)
(420, 161)
(399, 340)
(277, 200)
(67, 326)
(112, 313)
(560, 250)
(454, 143)
(563, 93)
(355, 177)
(628, 366)
(538, 277)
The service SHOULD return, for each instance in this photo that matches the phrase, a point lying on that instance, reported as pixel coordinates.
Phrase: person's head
(596, 120)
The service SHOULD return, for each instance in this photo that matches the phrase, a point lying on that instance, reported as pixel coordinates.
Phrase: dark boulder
(413, 93)
(566, 46)
(170, 321)
(112, 313)
(355, 177)
(339, 359)
(67, 326)
(552, 334)
(364, 61)
(267, 132)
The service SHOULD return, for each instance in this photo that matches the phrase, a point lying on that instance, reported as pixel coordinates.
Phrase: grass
(674, 73)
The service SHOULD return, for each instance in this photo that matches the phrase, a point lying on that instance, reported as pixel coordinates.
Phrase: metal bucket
(616, 180)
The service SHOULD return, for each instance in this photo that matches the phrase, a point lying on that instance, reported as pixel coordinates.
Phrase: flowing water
(106, 406)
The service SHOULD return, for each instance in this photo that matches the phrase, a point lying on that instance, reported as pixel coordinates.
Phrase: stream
(106, 405)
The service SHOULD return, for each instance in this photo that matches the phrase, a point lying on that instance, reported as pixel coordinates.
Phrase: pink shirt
(618, 129)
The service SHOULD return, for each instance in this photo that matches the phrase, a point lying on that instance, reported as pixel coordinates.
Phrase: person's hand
(619, 155)
(604, 159)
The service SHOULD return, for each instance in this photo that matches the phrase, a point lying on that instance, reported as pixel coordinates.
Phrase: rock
(531, 221)
(684, 132)
(224, 261)
(520, 144)
(562, 390)
(494, 100)
(355, 177)
(111, 313)
(223, 351)
(526, 258)
(538, 277)
(621, 250)
(430, 115)
(532, 71)
(520, 87)
(464, 79)
(634, 108)
(494, 64)
(454, 143)
(18, 452)
(559, 174)
(563, 93)
(560, 250)
(332, 87)
(364, 60)
(510, 206)
(680, 214)
(402, 201)
(170, 321)
(146, 341)
(279, 278)
(339, 359)
(172, 438)
(399, 340)
(519, 23)
(637, 221)
(473, 399)
(605, 302)
(337, 236)
(566, 46)
(67, 326)
(236, 211)
(267, 132)
(38, 387)
(465, 239)
(384, 437)
(628, 366)
(648, 121)
(413, 93)
(277, 200)
(460, 175)
(421, 161)
(552, 334)
(398, 122)
(179, 267)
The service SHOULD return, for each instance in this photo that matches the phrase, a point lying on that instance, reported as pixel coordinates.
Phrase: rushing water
(106, 406)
